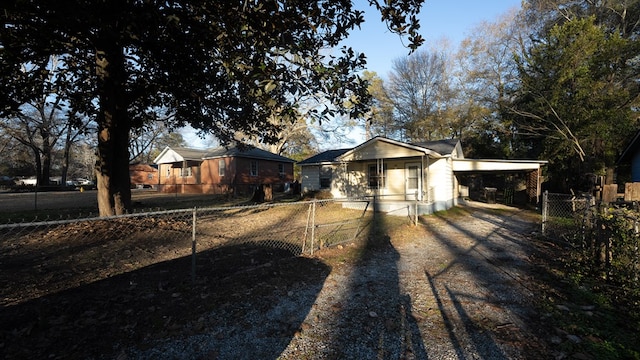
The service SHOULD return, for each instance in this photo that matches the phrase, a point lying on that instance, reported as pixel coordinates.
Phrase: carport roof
(492, 165)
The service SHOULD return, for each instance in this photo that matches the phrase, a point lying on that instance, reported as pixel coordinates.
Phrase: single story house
(143, 175)
(394, 171)
(221, 170)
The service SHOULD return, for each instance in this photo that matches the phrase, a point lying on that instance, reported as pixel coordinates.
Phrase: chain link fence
(604, 239)
(52, 255)
(564, 215)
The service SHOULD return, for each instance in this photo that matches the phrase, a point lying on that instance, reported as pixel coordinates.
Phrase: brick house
(221, 170)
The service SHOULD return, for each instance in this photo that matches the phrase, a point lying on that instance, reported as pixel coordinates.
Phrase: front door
(413, 181)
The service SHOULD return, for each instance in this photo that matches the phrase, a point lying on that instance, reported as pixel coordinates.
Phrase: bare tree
(419, 88)
(485, 70)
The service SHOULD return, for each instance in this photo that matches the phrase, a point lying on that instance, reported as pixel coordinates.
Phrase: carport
(530, 168)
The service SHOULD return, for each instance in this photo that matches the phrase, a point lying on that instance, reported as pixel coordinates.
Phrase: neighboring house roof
(444, 147)
(249, 152)
(329, 156)
(631, 149)
(178, 154)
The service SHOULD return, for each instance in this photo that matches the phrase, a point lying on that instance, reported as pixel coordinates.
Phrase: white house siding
(441, 184)
(381, 150)
(310, 178)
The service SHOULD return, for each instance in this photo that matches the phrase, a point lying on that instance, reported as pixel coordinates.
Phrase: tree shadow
(375, 318)
(486, 316)
(246, 297)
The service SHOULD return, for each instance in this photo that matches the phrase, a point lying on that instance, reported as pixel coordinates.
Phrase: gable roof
(178, 154)
(248, 152)
(400, 144)
(444, 147)
(437, 148)
(329, 156)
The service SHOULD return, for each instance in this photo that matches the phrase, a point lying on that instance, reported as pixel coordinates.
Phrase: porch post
(422, 171)
(427, 180)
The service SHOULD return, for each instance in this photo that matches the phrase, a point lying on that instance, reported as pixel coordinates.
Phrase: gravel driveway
(454, 287)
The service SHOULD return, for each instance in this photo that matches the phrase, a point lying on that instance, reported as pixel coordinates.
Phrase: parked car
(32, 181)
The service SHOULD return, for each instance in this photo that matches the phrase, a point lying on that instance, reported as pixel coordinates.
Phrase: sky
(439, 19)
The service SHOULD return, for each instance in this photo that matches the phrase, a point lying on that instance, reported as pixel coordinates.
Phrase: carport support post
(193, 246)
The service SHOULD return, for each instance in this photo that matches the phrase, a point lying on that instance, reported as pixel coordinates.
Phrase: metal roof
(329, 156)
(175, 154)
(247, 152)
(444, 147)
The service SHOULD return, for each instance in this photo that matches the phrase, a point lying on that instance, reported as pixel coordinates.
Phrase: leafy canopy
(224, 67)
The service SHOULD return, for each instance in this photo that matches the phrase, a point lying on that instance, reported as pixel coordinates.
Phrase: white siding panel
(382, 150)
(310, 178)
(441, 184)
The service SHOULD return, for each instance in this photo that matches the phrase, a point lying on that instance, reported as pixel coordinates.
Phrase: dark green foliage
(574, 103)
(223, 67)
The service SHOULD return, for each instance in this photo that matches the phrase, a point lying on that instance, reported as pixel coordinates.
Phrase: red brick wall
(237, 177)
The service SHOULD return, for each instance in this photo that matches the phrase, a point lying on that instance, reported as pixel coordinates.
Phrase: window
(254, 168)
(325, 176)
(222, 167)
(185, 171)
(150, 176)
(281, 170)
(377, 179)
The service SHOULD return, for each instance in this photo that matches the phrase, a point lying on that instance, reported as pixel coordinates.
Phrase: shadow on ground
(375, 317)
(132, 314)
(481, 287)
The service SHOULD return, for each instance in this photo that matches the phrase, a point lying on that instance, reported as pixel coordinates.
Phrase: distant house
(143, 175)
(221, 170)
(392, 170)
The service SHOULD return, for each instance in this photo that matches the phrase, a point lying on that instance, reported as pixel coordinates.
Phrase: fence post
(313, 224)
(415, 221)
(545, 211)
(193, 246)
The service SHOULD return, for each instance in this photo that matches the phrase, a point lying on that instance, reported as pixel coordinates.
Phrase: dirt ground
(461, 285)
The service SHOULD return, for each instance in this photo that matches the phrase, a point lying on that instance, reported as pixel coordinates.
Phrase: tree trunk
(38, 164)
(112, 165)
(46, 162)
(65, 156)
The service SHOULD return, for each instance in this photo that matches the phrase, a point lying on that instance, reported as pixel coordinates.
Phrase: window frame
(325, 176)
(222, 168)
(253, 168)
(186, 170)
(376, 176)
